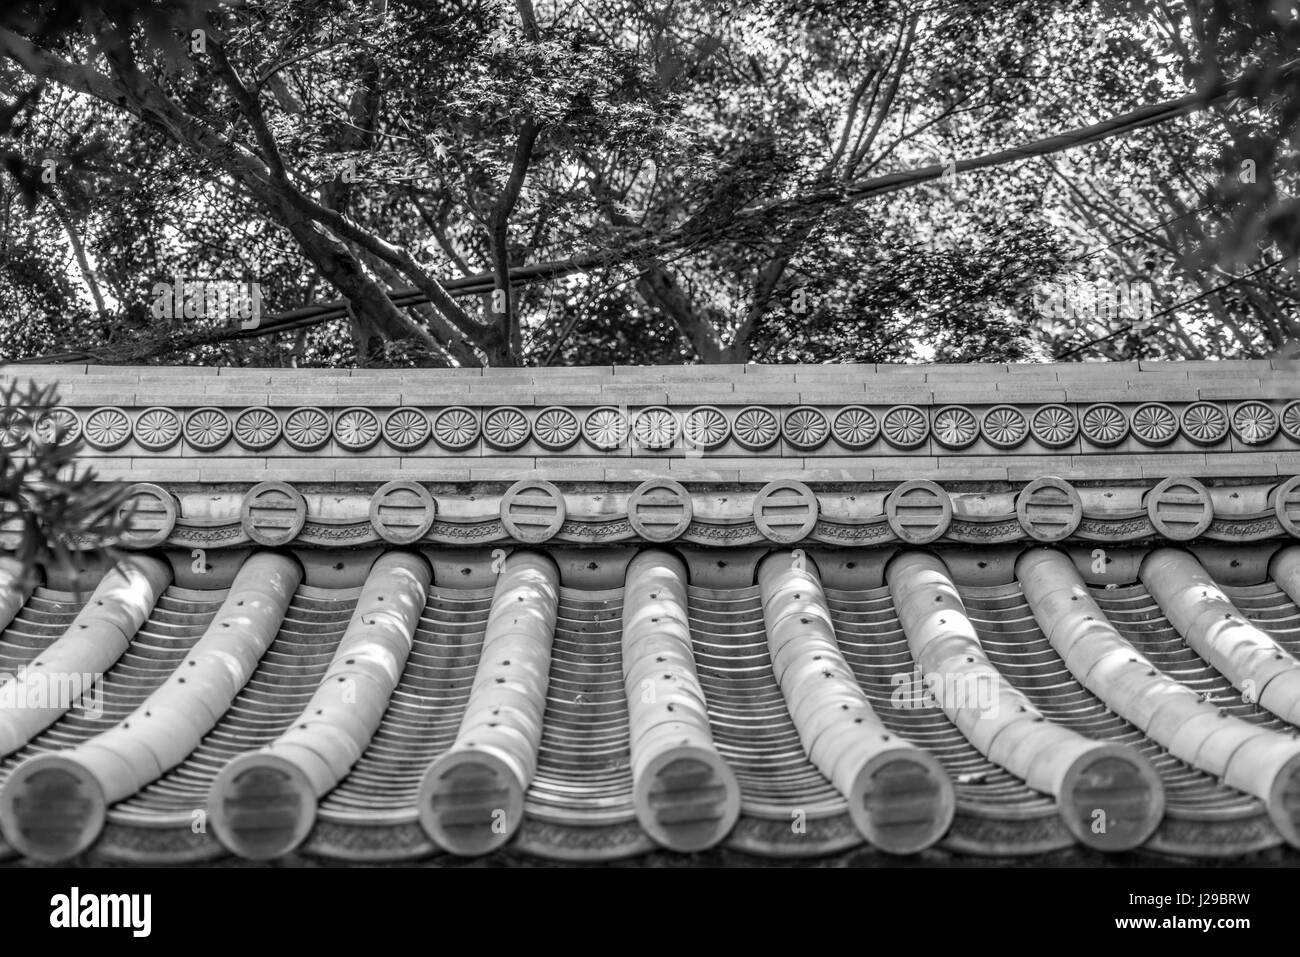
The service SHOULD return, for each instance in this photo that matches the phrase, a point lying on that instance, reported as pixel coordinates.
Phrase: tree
(508, 183)
(1181, 206)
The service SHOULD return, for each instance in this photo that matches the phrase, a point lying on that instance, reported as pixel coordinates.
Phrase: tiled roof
(587, 613)
(403, 711)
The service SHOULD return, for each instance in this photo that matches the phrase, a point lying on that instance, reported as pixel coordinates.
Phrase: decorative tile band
(807, 429)
(783, 512)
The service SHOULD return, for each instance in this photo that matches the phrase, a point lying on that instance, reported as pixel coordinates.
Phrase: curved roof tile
(569, 690)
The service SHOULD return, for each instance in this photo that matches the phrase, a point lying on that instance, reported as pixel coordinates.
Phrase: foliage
(713, 180)
(54, 505)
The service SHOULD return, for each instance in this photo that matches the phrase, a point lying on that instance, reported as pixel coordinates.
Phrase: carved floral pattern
(555, 428)
(806, 428)
(257, 428)
(606, 428)
(1205, 423)
(1290, 421)
(307, 428)
(14, 426)
(1005, 427)
(1054, 426)
(1154, 423)
(855, 427)
(58, 426)
(505, 428)
(356, 429)
(157, 429)
(1104, 424)
(905, 427)
(705, 428)
(1254, 422)
(955, 427)
(406, 429)
(755, 428)
(456, 428)
(207, 429)
(107, 428)
(655, 428)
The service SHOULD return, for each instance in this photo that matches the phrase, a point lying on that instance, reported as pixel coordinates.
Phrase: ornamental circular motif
(1180, 508)
(257, 428)
(806, 428)
(655, 428)
(356, 429)
(107, 428)
(705, 428)
(207, 429)
(307, 428)
(406, 429)
(605, 428)
(157, 429)
(1254, 422)
(401, 512)
(14, 428)
(755, 428)
(854, 427)
(955, 427)
(1205, 423)
(918, 512)
(1054, 426)
(273, 513)
(1104, 424)
(456, 428)
(1154, 423)
(1005, 427)
(1286, 505)
(659, 510)
(785, 512)
(905, 427)
(555, 428)
(505, 428)
(1289, 421)
(58, 426)
(1049, 509)
(532, 511)
(148, 513)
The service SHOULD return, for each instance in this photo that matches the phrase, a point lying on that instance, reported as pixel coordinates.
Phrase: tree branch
(499, 221)
(79, 251)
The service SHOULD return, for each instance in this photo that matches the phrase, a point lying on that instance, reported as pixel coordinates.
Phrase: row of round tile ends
(533, 511)
(755, 427)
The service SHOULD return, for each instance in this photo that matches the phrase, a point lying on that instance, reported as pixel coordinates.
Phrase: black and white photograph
(618, 441)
